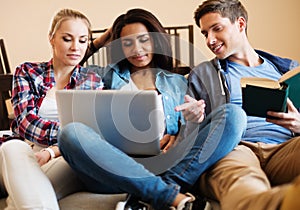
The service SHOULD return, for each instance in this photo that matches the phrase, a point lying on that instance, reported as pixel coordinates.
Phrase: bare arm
(96, 44)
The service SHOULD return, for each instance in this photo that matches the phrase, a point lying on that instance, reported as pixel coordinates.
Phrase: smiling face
(137, 45)
(223, 38)
(70, 42)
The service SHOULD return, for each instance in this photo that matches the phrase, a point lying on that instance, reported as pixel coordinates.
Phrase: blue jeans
(105, 169)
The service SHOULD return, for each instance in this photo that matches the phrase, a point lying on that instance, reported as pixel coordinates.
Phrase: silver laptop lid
(129, 120)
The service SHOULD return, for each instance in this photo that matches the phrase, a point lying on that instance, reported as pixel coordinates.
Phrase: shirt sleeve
(26, 100)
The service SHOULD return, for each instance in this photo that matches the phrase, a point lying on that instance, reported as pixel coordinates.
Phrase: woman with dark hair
(141, 54)
(162, 48)
(141, 57)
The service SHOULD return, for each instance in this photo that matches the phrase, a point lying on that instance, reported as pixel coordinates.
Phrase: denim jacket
(172, 86)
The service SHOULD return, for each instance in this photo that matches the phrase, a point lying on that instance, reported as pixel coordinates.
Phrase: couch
(85, 201)
(92, 201)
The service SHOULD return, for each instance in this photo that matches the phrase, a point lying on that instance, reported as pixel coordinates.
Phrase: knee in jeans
(72, 128)
(71, 135)
(236, 115)
(68, 132)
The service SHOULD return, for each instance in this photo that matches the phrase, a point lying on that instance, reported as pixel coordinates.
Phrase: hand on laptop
(192, 109)
(166, 142)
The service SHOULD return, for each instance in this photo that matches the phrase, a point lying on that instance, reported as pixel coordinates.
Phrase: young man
(258, 173)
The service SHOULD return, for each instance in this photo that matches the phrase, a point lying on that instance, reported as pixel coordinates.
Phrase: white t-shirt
(48, 108)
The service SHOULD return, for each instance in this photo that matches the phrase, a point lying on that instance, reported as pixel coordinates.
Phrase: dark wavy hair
(162, 57)
(232, 9)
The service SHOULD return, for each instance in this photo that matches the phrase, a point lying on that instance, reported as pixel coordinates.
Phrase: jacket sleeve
(197, 90)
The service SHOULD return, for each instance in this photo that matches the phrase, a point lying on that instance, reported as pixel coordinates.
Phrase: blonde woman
(28, 185)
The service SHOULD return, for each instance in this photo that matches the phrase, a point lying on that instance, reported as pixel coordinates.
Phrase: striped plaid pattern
(31, 82)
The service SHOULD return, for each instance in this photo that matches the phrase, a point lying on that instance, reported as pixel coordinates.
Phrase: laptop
(129, 120)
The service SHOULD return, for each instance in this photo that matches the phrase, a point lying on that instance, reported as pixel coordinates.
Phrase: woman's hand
(103, 39)
(42, 157)
(289, 120)
(97, 43)
(166, 142)
(192, 109)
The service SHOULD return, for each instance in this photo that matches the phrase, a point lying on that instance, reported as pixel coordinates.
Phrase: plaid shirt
(31, 82)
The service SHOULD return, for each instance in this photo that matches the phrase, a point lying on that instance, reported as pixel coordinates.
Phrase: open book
(261, 94)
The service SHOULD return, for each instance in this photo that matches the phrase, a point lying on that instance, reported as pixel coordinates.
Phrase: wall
(273, 25)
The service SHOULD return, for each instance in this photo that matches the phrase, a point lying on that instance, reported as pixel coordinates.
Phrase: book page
(260, 82)
(289, 74)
